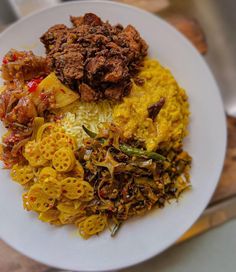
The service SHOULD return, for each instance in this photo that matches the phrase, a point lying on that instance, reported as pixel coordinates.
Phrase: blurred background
(210, 26)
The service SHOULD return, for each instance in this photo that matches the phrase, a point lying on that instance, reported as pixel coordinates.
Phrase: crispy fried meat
(95, 58)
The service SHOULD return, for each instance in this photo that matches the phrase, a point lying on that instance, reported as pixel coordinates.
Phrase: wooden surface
(149, 5)
(12, 261)
(227, 184)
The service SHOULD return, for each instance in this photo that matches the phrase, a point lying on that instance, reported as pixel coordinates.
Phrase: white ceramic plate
(140, 238)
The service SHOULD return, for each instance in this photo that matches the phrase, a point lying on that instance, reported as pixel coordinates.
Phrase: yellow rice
(168, 129)
(87, 114)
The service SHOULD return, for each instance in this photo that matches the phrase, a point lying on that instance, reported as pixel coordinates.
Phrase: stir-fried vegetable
(129, 150)
(102, 183)
(128, 180)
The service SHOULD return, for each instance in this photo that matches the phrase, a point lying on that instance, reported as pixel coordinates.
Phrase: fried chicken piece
(87, 93)
(87, 19)
(94, 65)
(69, 67)
(77, 21)
(114, 94)
(54, 37)
(131, 39)
(116, 70)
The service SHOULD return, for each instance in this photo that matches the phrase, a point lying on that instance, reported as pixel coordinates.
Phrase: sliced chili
(5, 61)
(33, 84)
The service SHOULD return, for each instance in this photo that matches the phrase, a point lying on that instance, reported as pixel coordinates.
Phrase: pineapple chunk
(63, 95)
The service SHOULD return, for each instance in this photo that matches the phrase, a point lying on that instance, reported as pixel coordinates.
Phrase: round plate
(140, 238)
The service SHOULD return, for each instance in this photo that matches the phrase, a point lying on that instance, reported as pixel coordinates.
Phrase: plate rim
(217, 89)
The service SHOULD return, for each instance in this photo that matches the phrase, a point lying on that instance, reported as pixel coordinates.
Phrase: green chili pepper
(89, 132)
(131, 151)
(128, 150)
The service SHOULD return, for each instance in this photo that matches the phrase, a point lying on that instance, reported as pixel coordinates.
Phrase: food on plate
(95, 58)
(62, 94)
(95, 129)
(157, 112)
(23, 65)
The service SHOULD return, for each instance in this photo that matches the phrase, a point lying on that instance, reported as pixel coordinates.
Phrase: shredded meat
(95, 58)
(23, 65)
